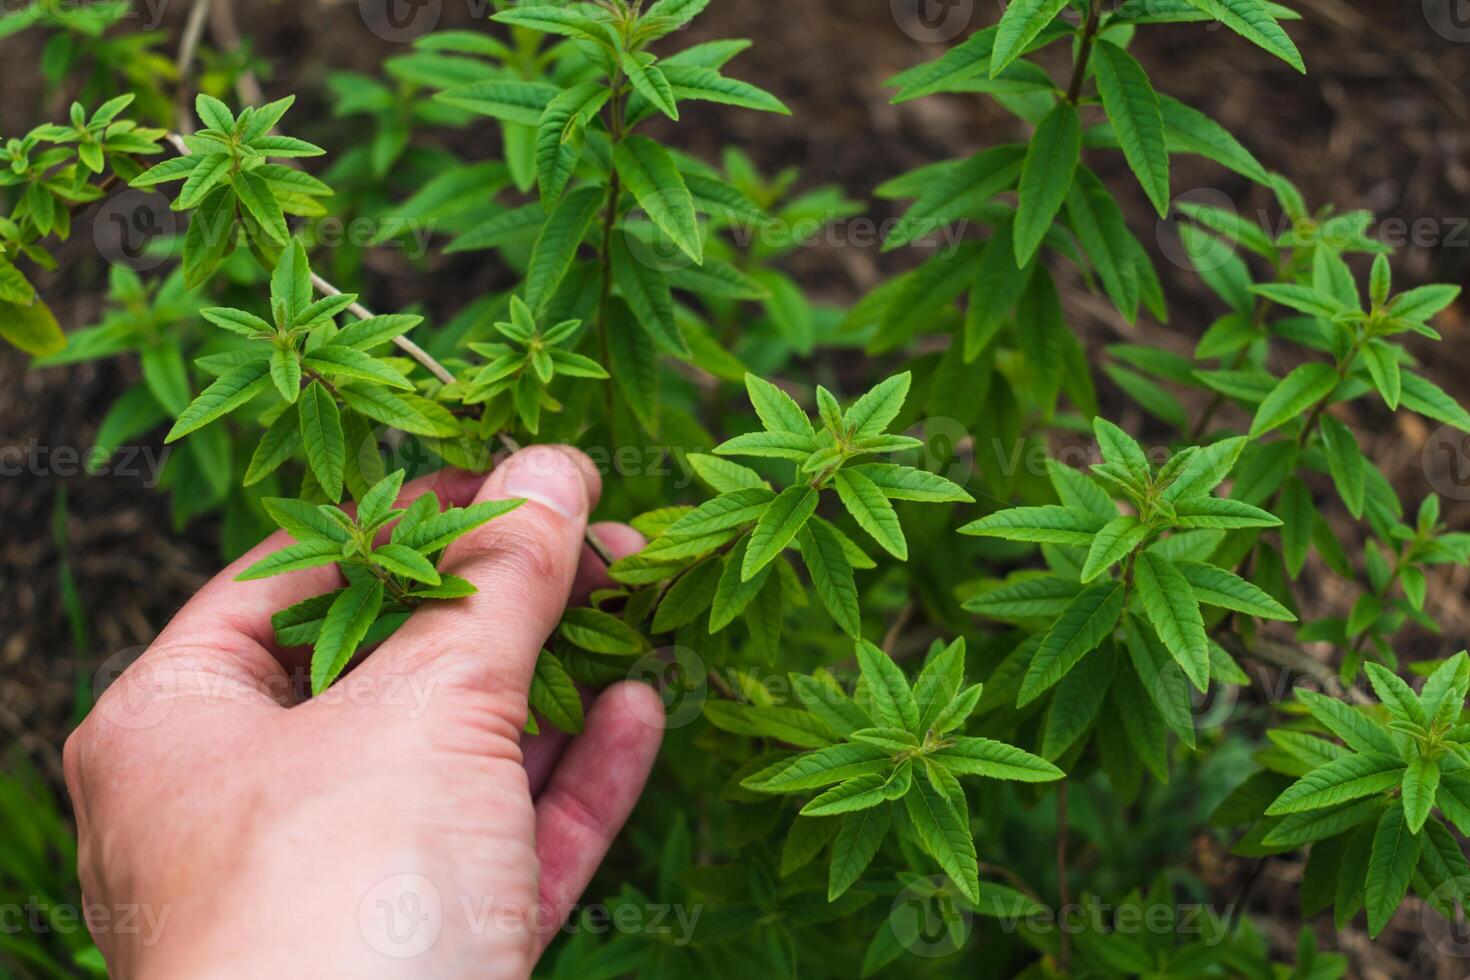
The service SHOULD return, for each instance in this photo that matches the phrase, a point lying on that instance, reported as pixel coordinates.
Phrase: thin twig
(184, 63)
(1084, 52)
(227, 35)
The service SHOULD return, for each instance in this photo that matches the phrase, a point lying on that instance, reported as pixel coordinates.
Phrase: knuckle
(531, 543)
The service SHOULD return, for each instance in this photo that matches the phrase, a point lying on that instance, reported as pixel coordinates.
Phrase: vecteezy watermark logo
(1450, 19)
(1450, 934)
(401, 917)
(651, 244)
(930, 918)
(400, 21)
(131, 695)
(1446, 462)
(1194, 249)
(127, 224)
(680, 677)
(932, 21)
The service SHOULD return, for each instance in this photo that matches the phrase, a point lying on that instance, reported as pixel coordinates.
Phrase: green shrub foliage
(902, 662)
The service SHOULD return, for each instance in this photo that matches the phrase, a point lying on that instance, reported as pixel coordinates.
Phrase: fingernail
(549, 477)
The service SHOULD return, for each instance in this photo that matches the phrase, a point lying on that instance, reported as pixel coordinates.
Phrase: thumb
(523, 565)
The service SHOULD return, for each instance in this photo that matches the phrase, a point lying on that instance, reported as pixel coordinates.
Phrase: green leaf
(633, 364)
(347, 362)
(1252, 20)
(1419, 305)
(256, 195)
(1221, 513)
(293, 558)
(853, 850)
(402, 560)
(892, 701)
(782, 520)
(1396, 695)
(1350, 778)
(872, 511)
(734, 592)
(824, 767)
(858, 793)
(1046, 176)
(554, 694)
(1345, 462)
(559, 136)
(907, 483)
(1133, 109)
(832, 575)
(1022, 21)
(1076, 703)
(777, 410)
(409, 413)
(1428, 399)
(1103, 233)
(552, 18)
(512, 101)
(286, 373)
(599, 632)
(649, 81)
(1170, 605)
(1190, 131)
(321, 434)
(557, 245)
(1347, 723)
(347, 622)
(1421, 784)
(1086, 622)
(956, 192)
(1383, 366)
(1214, 586)
(1390, 867)
(1028, 598)
(1050, 524)
(224, 396)
(723, 475)
(204, 177)
(214, 113)
(1295, 395)
(364, 335)
(649, 171)
(32, 328)
(210, 237)
(1206, 469)
(1120, 449)
(871, 414)
(647, 291)
(436, 531)
(1114, 542)
(967, 756)
(723, 513)
(708, 85)
(944, 836)
(960, 63)
(688, 598)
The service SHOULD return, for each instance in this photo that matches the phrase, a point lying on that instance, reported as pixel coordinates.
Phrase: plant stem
(609, 221)
(1084, 52)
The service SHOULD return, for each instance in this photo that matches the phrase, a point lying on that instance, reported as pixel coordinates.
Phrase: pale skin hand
(399, 826)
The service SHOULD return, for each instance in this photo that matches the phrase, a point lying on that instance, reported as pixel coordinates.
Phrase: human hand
(398, 826)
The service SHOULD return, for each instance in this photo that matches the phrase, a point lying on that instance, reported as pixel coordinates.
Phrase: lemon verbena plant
(850, 607)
